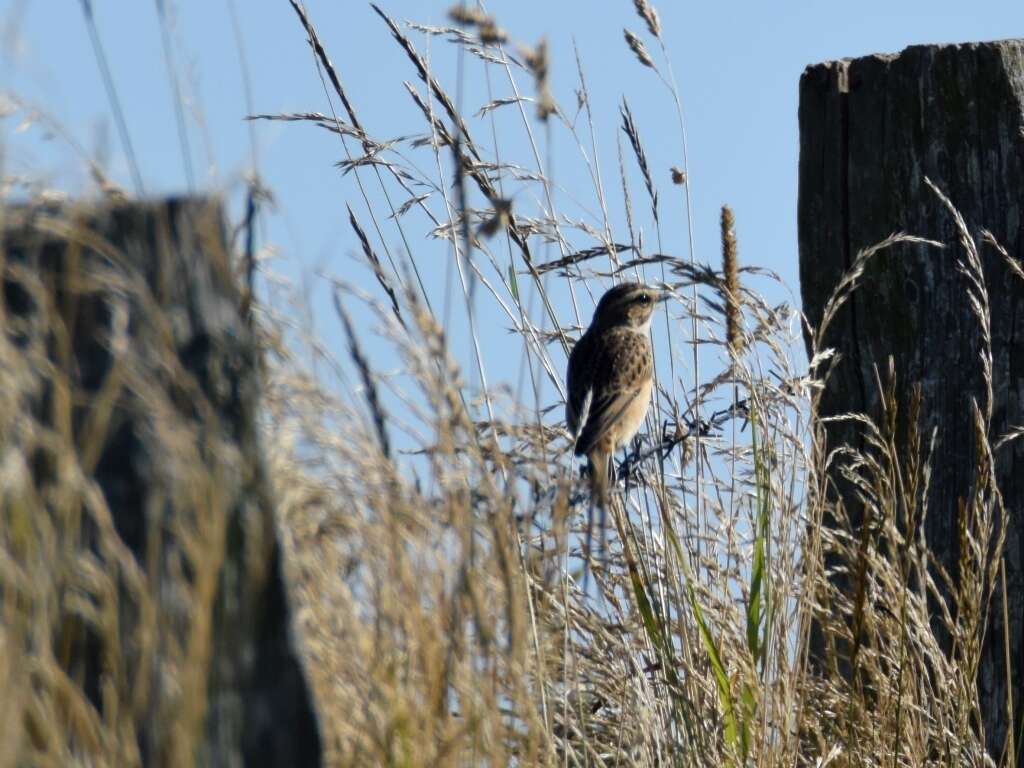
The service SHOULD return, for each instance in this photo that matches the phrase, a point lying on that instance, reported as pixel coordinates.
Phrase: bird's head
(627, 304)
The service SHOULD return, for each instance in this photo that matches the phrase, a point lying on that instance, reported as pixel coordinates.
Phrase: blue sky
(737, 66)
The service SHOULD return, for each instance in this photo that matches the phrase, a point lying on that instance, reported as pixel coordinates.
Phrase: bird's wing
(618, 371)
(604, 413)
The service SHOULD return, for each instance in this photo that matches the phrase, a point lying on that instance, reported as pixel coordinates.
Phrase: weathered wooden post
(871, 130)
(143, 568)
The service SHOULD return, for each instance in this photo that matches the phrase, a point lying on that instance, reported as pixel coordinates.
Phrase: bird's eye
(645, 298)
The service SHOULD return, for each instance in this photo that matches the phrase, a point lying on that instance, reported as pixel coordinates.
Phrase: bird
(609, 380)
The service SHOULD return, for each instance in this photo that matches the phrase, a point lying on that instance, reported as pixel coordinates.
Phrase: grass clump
(728, 624)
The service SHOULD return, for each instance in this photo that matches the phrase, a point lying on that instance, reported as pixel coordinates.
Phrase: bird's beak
(663, 296)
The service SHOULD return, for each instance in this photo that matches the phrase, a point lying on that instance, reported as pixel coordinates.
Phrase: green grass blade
(757, 603)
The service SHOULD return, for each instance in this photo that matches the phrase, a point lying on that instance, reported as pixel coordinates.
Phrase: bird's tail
(600, 468)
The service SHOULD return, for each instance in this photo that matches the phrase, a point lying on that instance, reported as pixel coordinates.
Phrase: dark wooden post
(871, 130)
(126, 321)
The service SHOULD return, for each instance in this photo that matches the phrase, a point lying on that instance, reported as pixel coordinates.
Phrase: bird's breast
(633, 417)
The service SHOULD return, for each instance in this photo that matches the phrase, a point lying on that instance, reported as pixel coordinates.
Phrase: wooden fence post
(871, 130)
(134, 372)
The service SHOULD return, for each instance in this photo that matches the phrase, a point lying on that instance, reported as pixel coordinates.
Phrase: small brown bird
(609, 379)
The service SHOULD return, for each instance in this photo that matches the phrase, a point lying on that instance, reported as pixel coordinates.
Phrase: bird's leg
(626, 467)
(631, 459)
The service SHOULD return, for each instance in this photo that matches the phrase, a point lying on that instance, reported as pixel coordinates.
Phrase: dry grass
(433, 521)
(100, 643)
(469, 638)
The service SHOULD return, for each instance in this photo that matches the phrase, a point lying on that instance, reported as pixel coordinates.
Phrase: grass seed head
(649, 14)
(731, 272)
(637, 46)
